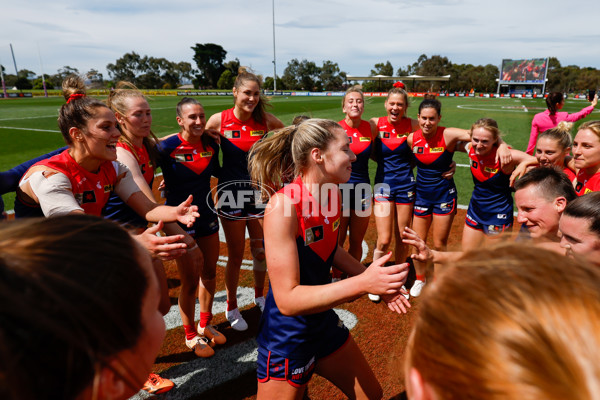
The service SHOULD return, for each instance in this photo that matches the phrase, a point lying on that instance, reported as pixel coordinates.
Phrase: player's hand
(163, 247)
(503, 155)
(450, 173)
(424, 253)
(187, 213)
(380, 279)
(396, 302)
(214, 134)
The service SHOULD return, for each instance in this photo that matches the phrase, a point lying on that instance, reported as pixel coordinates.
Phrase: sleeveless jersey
(433, 159)
(187, 169)
(237, 138)
(569, 173)
(491, 201)
(91, 190)
(316, 241)
(587, 184)
(116, 209)
(393, 154)
(360, 144)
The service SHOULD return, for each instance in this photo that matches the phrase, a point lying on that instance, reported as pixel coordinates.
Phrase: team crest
(88, 196)
(418, 150)
(474, 164)
(184, 157)
(313, 235)
(232, 134)
(384, 135)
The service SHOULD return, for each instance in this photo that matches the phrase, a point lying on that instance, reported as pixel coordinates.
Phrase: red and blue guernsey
(237, 138)
(116, 209)
(433, 159)
(91, 190)
(394, 156)
(491, 202)
(360, 144)
(187, 169)
(316, 241)
(587, 184)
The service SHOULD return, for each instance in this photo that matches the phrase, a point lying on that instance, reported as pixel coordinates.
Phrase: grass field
(28, 126)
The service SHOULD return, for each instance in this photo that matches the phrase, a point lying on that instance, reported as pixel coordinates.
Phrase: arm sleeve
(54, 193)
(581, 114)
(125, 185)
(532, 137)
(9, 180)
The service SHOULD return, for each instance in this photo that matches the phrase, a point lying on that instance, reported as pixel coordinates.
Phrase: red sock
(421, 277)
(231, 305)
(190, 332)
(205, 318)
(259, 292)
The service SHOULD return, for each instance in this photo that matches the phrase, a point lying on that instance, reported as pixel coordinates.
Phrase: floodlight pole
(274, 58)
(14, 61)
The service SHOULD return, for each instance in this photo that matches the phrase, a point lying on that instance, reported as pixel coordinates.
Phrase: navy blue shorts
(489, 229)
(240, 201)
(398, 194)
(297, 371)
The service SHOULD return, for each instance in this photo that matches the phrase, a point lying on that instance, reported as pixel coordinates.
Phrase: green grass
(19, 143)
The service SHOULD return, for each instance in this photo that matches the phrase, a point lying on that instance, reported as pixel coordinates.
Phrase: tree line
(213, 72)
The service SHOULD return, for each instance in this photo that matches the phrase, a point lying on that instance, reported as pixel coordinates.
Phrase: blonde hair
(593, 126)
(117, 101)
(510, 322)
(400, 92)
(353, 89)
(489, 125)
(283, 155)
(561, 134)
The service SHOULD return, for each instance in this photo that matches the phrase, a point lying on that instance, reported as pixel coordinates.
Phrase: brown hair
(586, 207)
(561, 134)
(550, 181)
(510, 322)
(117, 101)
(78, 110)
(245, 75)
(553, 100)
(71, 292)
(277, 159)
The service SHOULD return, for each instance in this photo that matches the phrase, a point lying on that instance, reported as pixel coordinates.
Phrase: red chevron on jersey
(318, 225)
(393, 135)
(483, 168)
(587, 184)
(241, 134)
(91, 190)
(196, 157)
(427, 150)
(360, 138)
(143, 159)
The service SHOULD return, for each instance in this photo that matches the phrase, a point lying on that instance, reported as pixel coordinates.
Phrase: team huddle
(315, 193)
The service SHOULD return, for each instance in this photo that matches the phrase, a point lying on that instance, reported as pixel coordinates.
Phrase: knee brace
(259, 262)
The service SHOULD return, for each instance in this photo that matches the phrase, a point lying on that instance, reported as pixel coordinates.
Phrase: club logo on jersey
(232, 134)
(418, 150)
(364, 139)
(313, 235)
(474, 164)
(490, 170)
(108, 188)
(384, 135)
(336, 225)
(578, 187)
(184, 157)
(436, 150)
(257, 133)
(206, 154)
(87, 196)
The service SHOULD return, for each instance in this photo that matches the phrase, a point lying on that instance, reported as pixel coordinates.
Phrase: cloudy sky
(354, 33)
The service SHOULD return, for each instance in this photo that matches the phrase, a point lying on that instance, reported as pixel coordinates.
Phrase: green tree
(126, 68)
(23, 83)
(385, 69)
(331, 77)
(63, 72)
(209, 58)
(226, 80)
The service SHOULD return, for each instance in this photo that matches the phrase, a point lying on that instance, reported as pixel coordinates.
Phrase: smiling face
(429, 120)
(586, 150)
(192, 122)
(577, 238)
(548, 152)
(247, 96)
(137, 121)
(482, 141)
(100, 140)
(338, 158)
(539, 215)
(354, 105)
(395, 105)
